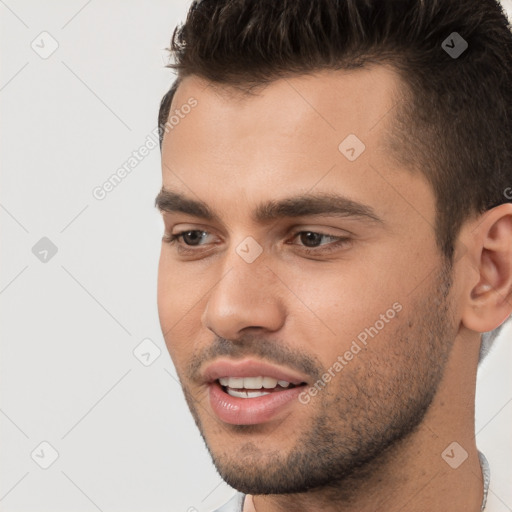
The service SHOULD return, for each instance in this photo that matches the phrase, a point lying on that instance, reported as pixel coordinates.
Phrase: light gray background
(124, 436)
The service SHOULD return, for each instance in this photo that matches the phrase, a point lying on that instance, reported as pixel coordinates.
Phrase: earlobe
(489, 301)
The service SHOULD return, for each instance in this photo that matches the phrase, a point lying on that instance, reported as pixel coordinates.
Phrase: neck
(424, 471)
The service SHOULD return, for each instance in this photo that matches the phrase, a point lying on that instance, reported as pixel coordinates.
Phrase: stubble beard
(376, 402)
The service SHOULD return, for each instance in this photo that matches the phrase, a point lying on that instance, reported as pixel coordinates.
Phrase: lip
(249, 368)
(250, 411)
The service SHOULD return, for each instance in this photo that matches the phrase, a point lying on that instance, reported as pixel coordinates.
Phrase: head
(349, 123)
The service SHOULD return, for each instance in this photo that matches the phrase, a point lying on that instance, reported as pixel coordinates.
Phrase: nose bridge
(246, 295)
(245, 269)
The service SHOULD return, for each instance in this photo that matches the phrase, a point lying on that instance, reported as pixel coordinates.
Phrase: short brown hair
(454, 122)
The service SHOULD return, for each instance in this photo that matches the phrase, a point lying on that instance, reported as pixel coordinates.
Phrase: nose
(247, 296)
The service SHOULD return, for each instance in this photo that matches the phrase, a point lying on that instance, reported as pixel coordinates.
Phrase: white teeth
(269, 382)
(252, 382)
(246, 394)
(236, 382)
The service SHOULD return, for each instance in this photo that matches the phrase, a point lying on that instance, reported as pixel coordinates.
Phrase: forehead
(315, 112)
(287, 137)
(340, 99)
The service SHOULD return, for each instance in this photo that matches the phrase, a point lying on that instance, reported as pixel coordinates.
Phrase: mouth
(249, 392)
(253, 387)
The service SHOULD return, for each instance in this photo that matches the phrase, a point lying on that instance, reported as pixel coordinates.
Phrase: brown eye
(311, 239)
(310, 242)
(191, 237)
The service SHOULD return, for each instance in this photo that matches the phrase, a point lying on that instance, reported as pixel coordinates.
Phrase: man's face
(351, 308)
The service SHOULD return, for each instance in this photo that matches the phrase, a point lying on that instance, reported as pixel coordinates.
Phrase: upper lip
(249, 368)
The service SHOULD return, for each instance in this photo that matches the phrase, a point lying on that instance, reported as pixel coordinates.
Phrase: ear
(489, 291)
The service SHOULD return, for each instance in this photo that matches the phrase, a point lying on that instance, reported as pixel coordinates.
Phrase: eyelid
(180, 232)
(327, 231)
(295, 230)
(339, 242)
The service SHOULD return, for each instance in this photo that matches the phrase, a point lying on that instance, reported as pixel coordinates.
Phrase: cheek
(176, 296)
(182, 295)
(351, 310)
(345, 299)
(166, 287)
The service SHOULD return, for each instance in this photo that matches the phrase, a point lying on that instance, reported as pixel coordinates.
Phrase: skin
(233, 152)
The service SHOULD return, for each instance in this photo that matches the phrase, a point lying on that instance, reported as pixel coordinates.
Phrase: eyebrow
(295, 206)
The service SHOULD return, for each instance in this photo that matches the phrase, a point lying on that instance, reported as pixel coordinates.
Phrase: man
(338, 235)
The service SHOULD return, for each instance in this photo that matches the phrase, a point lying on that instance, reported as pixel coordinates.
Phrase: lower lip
(250, 411)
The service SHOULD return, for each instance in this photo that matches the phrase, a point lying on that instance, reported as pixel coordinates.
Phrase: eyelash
(322, 249)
